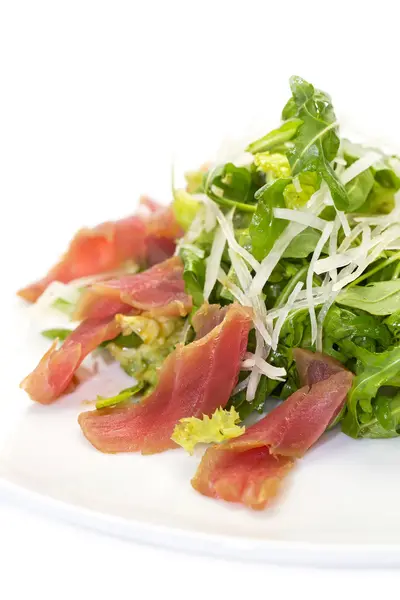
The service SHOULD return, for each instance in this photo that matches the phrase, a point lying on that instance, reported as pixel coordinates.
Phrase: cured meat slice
(194, 380)
(249, 469)
(159, 291)
(56, 370)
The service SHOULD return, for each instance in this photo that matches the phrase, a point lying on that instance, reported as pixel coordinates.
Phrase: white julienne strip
(299, 216)
(265, 368)
(310, 273)
(360, 165)
(257, 303)
(196, 227)
(297, 185)
(333, 245)
(242, 385)
(210, 218)
(345, 245)
(271, 260)
(344, 222)
(282, 317)
(321, 318)
(227, 228)
(336, 261)
(314, 206)
(385, 239)
(214, 261)
(255, 375)
(233, 288)
(244, 301)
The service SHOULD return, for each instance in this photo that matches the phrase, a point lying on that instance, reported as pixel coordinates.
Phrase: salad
(273, 276)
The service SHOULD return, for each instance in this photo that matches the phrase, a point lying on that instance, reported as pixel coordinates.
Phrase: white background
(96, 100)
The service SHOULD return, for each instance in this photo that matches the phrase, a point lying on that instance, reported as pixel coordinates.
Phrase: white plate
(338, 507)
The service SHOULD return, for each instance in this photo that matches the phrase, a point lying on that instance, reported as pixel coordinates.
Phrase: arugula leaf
(53, 334)
(288, 289)
(231, 186)
(359, 188)
(303, 244)
(377, 298)
(64, 306)
(385, 419)
(193, 275)
(296, 330)
(123, 396)
(393, 324)
(264, 227)
(374, 370)
(245, 408)
(276, 137)
(342, 323)
(316, 142)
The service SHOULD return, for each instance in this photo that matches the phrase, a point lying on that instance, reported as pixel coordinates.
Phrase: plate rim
(272, 551)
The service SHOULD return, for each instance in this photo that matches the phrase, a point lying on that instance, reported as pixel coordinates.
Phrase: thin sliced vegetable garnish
(292, 254)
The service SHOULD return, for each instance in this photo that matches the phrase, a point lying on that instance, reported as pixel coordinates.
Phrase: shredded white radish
(214, 261)
(297, 185)
(265, 368)
(255, 375)
(283, 316)
(360, 165)
(348, 240)
(257, 302)
(310, 273)
(320, 322)
(385, 238)
(344, 222)
(233, 288)
(333, 246)
(314, 205)
(196, 228)
(227, 228)
(298, 216)
(271, 260)
(336, 261)
(242, 385)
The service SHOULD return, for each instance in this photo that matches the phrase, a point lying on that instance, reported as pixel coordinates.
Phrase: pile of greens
(285, 168)
(302, 160)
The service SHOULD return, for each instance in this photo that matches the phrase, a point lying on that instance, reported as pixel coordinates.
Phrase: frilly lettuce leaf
(222, 425)
(274, 164)
(298, 195)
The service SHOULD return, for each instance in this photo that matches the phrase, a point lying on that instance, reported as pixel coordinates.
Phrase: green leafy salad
(305, 230)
